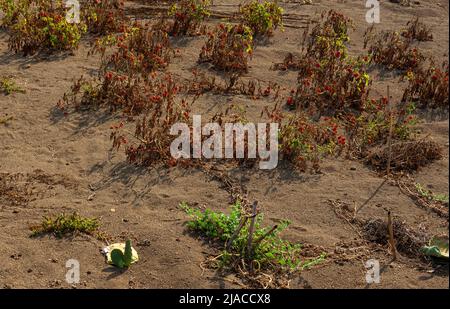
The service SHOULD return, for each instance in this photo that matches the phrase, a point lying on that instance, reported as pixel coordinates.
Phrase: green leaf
(117, 258)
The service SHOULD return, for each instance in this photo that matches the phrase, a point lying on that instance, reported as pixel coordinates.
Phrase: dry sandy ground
(68, 165)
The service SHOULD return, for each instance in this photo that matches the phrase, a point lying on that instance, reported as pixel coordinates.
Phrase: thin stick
(391, 236)
(236, 233)
(259, 240)
(250, 231)
(388, 168)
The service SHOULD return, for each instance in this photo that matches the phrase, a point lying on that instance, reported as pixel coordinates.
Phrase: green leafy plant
(228, 48)
(122, 259)
(8, 86)
(263, 17)
(187, 16)
(268, 249)
(35, 25)
(442, 198)
(63, 224)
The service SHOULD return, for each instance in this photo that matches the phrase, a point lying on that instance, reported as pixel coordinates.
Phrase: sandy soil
(65, 164)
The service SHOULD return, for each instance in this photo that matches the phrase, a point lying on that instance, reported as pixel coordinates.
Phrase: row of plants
(322, 119)
(35, 25)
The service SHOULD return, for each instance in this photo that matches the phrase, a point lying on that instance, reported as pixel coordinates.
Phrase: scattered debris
(406, 156)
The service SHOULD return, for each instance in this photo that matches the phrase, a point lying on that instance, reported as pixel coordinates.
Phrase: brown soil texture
(65, 164)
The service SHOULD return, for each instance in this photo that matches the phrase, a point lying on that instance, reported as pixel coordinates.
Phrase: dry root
(408, 240)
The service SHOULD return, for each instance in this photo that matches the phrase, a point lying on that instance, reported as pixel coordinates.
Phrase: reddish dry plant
(141, 49)
(103, 16)
(228, 48)
(391, 50)
(417, 31)
(302, 140)
(202, 83)
(152, 136)
(327, 38)
(372, 126)
(130, 94)
(329, 35)
(188, 16)
(328, 79)
(334, 85)
(428, 88)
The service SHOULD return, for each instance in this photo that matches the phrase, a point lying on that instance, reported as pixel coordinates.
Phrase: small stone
(353, 168)
(113, 210)
(29, 270)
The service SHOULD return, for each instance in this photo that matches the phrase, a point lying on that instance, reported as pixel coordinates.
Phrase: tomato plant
(228, 48)
(262, 18)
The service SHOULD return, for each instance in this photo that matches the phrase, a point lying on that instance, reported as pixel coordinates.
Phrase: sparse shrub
(8, 86)
(128, 80)
(268, 251)
(328, 36)
(429, 195)
(372, 126)
(302, 140)
(263, 17)
(103, 16)
(130, 94)
(35, 25)
(139, 50)
(203, 83)
(151, 139)
(324, 42)
(393, 51)
(417, 31)
(428, 88)
(328, 80)
(333, 85)
(228, 48)
(188, 16)
(66, 224)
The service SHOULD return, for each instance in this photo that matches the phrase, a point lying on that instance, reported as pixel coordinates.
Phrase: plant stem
(250, 234)
(236, 233)
(391, 236)
(259, 240)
